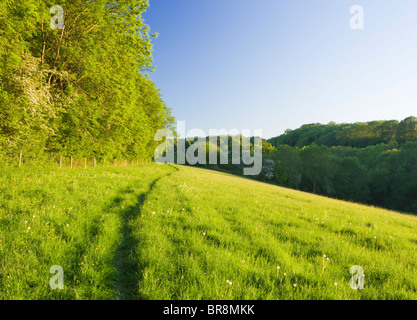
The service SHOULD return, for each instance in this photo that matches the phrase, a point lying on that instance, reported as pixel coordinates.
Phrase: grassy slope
(163, 232)
(211, 227)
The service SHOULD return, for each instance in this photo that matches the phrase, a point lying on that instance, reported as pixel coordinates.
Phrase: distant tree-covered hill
(360, 134)
(373, 162)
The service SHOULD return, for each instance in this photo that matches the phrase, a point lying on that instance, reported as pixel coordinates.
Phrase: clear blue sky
(278, 64)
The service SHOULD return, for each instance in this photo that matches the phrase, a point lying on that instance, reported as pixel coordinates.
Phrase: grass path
(128, 271)
(70, 218)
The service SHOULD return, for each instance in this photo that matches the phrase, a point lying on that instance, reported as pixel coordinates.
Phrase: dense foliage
(79, 91)
(358, 134)
(344, 161)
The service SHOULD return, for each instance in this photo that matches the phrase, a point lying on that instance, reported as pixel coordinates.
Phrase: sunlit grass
(171, 232)
(207, 235)
(71, 218)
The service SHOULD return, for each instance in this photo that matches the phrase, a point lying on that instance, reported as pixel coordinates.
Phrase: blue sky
(278, 64)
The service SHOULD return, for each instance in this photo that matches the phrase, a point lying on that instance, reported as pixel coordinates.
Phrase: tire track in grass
(128, 270)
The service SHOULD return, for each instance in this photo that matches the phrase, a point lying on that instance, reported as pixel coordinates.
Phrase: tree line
(373, 163)
(226, 150)
(360, 134)
(361, 169)
(80, 91)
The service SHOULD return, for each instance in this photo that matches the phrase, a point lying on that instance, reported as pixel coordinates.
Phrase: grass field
(171, 232)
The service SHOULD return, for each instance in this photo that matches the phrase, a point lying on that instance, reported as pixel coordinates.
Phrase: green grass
(171, 232)
(75, 219)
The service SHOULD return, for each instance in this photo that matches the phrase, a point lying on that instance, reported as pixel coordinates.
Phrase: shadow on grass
(130, 269)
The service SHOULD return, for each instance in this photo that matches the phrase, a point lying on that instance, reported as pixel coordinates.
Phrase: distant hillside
(373, 163)
(359, 134)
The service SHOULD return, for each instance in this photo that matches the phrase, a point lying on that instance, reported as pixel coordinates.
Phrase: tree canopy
(81, 90)
(360, 134)
(373, 163)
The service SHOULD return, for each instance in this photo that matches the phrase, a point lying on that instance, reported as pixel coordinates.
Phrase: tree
(317, 168)
(81, 90)
(407, 130)
(287, 166)
(350, 180)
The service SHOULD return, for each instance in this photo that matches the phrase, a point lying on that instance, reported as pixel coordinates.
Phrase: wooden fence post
(71, 162)
(60, 161)
(20, 158)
